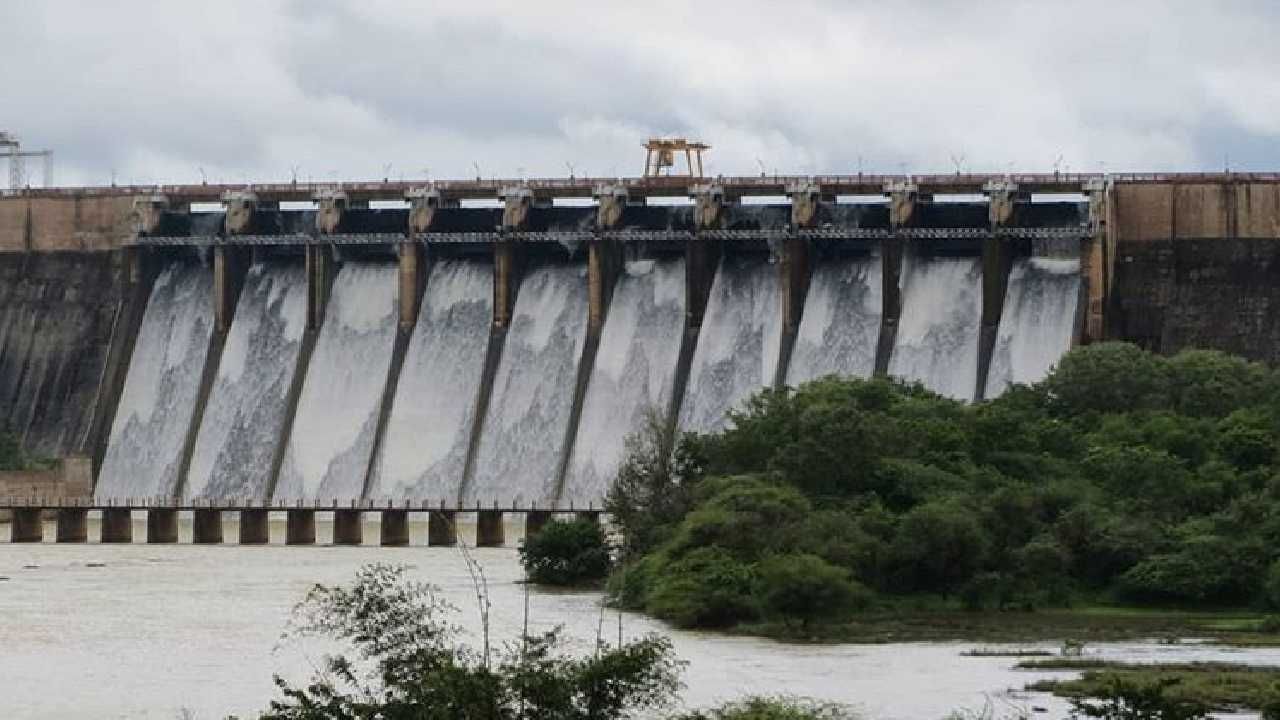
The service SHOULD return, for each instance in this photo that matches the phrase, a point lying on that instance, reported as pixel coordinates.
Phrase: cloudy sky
(324, 89)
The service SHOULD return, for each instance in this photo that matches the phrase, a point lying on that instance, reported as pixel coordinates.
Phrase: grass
(1088, 624)
(1221, 686)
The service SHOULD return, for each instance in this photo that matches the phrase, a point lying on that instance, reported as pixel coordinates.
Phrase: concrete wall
(56, 316)
(1198, 265)
(71, 478)
(60, 224)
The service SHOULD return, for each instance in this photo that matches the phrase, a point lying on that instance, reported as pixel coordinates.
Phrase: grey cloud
(342, 87)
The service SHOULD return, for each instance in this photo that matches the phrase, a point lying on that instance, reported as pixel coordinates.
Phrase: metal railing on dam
(27, 519)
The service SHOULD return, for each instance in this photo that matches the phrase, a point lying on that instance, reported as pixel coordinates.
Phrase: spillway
(634, 372)
(327, 456)
(427, 437)
(1037, 322)
(524, 430)
(144, 452)
(738, 343)
(841, 322)
(247, 405)
(937, 341)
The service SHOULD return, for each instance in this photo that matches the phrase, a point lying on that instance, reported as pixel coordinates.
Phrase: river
(183, 631)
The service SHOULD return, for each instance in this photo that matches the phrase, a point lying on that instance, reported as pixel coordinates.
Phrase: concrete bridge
(27, 519)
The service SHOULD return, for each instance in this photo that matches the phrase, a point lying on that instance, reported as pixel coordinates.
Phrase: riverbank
(1089, 624)
(1223, 687)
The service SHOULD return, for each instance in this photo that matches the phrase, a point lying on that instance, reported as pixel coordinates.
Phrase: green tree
(708, 587)
(938, 547)
(566, 553)
(808, 588)
(1107, 377)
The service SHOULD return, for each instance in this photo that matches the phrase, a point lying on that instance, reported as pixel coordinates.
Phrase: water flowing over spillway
(144, 453)
(937, 340)
(738, 343)
(1037, 322)
(524, 429)
(634, 371)
(246, 410)
(841, 322)
(427, 437)
(328, 452)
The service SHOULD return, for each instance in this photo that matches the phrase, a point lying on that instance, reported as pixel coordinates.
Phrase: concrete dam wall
(473, 356)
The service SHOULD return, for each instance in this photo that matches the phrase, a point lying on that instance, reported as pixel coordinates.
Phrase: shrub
(762, 708)
(1125, 699)
(706, 588)
(938, 548)
(808, 588)
(566, 553)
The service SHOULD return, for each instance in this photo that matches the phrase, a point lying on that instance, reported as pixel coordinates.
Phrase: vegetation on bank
(1123, 478)
(1193, 687)
(410, 663)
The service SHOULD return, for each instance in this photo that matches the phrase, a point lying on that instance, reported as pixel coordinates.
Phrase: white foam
(634, 372)
(841, 322)
(144, 451)
(937, 341)
(1036, 323)
(737, 352)
(429, 431)
(328, 452)
(528, 417)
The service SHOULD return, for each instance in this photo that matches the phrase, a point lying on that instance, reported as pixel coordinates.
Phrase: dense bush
(566, 553)
(808, 588)
(760, 708)
(1123, 475)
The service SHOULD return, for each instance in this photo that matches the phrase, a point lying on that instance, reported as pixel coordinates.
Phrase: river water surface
(182, 631)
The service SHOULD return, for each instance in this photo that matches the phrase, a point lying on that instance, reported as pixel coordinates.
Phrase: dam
(489, 345)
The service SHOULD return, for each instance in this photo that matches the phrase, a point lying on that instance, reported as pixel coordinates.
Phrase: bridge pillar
(255, 527)
(1095, 267)
(320, 271)
(423, 204)
(229, 265)
(442, 528)
(395, 528)
(534, 521)
(117, 525)
(206, 526)
(73, 525)
(27, 525)
(903, 198)
(490, 529)
(413, 275)
(162, 526)
(348, 527)
(1004, 198)
(702, 255)
(300, 527)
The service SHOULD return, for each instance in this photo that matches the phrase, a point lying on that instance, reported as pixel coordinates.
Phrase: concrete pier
(162, 526)
(490, 530)
(117, 525)
(348, 527)
(206, 527)
(300, 527)
(442, 528)
(255, 527)
(413, 276)
(395, 528)
(27, 526)
(534, 521)
(73, 525)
